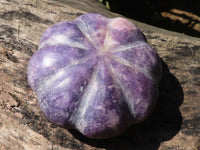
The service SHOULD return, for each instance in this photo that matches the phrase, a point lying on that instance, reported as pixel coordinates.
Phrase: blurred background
(177, 15)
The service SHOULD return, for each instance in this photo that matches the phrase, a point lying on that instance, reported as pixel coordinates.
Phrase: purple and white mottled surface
(95, 74)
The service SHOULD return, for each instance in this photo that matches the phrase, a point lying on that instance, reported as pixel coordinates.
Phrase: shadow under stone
(162, 125)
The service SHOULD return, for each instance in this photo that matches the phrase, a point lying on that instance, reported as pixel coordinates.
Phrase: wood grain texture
(175, 124)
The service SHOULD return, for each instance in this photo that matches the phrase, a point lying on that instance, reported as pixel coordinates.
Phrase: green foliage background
(105, 2)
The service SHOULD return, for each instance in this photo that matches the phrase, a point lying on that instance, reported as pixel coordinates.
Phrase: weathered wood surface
(175, 124)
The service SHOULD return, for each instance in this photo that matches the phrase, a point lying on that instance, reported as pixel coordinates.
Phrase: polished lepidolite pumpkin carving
(95, 74)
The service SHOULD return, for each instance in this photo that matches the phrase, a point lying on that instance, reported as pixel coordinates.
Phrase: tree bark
(175, 123)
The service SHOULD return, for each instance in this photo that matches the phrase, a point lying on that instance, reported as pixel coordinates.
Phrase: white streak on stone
(86, 100)
(126, 47)
(85, 29)
(133, 66)
(50, 80)
(61, 39)
(127, 93)
(65, 82)
(109, 44)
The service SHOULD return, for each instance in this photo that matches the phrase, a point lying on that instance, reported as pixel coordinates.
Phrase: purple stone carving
(95, 74)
